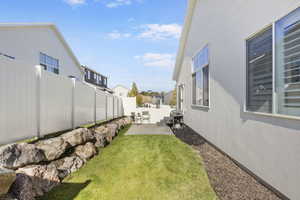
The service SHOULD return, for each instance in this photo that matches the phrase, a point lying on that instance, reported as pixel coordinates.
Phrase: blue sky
(127, 40)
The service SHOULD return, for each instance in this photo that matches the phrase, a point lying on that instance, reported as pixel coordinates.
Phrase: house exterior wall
(121, 91)
(268, 146)
(89, 77)
(26, 43)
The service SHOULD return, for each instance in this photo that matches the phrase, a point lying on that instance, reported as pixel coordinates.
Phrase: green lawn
(139, 168)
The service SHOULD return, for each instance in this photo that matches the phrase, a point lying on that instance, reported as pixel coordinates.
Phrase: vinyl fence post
(73, 102)
(106, 99)
(95, 106)
(113, 107)
(118, 107)
(38, 99)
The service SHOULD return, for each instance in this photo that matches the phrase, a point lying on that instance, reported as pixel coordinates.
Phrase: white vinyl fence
(35, 102)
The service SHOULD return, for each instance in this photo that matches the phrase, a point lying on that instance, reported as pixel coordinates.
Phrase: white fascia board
(184, 37)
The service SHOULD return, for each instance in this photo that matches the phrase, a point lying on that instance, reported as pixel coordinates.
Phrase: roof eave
(184, 37)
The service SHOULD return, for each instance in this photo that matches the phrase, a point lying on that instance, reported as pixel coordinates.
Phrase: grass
(139, 168)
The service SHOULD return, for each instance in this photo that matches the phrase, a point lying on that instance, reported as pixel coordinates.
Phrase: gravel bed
(229, 181)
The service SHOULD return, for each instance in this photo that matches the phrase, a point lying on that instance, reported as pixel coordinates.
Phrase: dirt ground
(229, 181)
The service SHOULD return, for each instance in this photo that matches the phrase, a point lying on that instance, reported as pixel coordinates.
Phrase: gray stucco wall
(267, 145)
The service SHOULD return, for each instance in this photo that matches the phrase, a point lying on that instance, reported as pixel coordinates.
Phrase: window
(49, 63)
(262, 96)
(100, 79)
(288, 64)
(259, 72)
(200, 78)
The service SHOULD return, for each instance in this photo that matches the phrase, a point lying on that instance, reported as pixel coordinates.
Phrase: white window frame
(182, 88)
(209, 78)
(274, 113)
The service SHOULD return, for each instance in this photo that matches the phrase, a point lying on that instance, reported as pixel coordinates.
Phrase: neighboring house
(95, 78)
(39, 44)
(156, 99)
(121, 91)
(167, 97)
(238, 80)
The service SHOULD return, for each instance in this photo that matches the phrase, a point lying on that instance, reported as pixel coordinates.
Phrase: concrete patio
(149, 129)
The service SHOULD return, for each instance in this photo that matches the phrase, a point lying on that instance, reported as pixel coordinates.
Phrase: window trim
(274, 113)
(195, 106)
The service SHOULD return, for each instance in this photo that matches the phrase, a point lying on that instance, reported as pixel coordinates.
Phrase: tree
(139, 100)
(134, 90)
(173, 101)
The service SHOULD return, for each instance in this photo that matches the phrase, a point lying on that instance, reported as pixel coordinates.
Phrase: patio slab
(149, 129)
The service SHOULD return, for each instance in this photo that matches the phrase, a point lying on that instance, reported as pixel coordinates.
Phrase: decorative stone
(74, 137)
(88, 135)
(53, 148)
(14, 156)
(85, 152)
(68, 165)
(7, 177)
(101, 134)
(100, 140)
(112, 131)
(34, 181)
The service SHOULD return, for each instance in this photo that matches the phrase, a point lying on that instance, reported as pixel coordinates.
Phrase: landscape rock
(100, 140)
(7, 197)
(78, 136)
(34, 181)
(101, 134)
(88, 135)
(53, 148)
(68, 165)
(112, 131)
(7, 177)
(23, 188)
(74, 137)
(120, 123)
(14, 156)
(86, 151)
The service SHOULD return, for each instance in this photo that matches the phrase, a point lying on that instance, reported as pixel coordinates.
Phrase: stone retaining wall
(43, 165)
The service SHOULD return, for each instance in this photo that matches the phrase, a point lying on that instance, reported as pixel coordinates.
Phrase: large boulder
(101, 134)
(23, 188)
(34, 181)
(7, 177)
(100, 140)
(112, 131)
(14, 156)
(67, 165)
(120, 123)
(88, 135)
(85, 152)
(75, 137)
(53, 148)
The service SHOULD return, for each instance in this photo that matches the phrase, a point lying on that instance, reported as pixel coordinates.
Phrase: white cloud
(117, 3)
(117, 35)
(157, 60)
(160, 31)
(75, 2)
